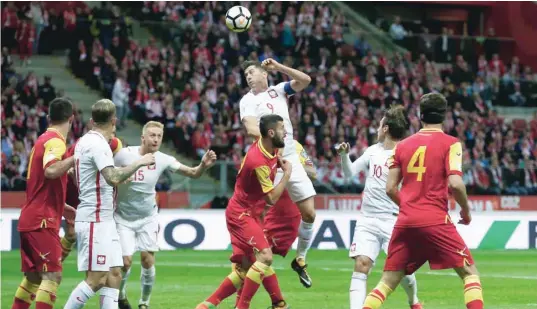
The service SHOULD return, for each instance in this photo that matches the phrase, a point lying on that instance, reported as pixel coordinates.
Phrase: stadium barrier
(342, 202)
(206, 230)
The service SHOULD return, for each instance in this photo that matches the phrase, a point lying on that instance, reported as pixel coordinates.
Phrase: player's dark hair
(396, 120)
(433, 107)
(59, 110)
(248, 63)
(268, 122)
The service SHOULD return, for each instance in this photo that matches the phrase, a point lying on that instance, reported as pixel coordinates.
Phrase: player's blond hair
(152, 124)
(103, 111)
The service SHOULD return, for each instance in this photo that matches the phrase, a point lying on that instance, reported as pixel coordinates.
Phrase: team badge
(272, 93)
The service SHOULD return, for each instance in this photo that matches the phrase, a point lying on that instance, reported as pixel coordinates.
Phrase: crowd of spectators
(25, 102)
(193, 83)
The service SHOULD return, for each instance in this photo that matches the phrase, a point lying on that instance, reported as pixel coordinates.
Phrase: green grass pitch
(185, 278)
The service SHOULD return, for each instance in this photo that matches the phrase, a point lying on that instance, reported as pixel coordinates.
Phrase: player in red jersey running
(253, 190)
(71, 198)
(427, 162)
(41, 215)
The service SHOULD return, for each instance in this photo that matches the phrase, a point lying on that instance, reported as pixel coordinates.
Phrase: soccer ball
(238, 19)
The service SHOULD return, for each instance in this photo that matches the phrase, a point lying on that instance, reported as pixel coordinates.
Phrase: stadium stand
(193, 83)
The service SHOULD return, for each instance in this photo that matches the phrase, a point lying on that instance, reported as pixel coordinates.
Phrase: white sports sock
(109, 298)
(147, 279)
(410, 285)
(123, 286)
(305, 235)
(358, 290)
(79, 296)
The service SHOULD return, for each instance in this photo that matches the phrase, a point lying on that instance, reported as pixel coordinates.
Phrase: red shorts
(440, 245)
(41, 251)
(281, 225)
(247, 236)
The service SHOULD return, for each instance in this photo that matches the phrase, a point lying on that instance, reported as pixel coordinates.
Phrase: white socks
(305, 235)
(109, 298)
(147, 279)
(410, 286)
(79, 296)
(358, 290)
(123, 286)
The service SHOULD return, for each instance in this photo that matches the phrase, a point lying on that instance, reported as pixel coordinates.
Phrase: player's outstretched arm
(299, 80)
(351, 168)
(59, 168)
(116, 175)
(392, 184)
(208, 160)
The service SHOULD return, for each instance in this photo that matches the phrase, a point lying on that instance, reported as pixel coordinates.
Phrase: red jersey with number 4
(426, 159)
(254, 180)
(45, 198)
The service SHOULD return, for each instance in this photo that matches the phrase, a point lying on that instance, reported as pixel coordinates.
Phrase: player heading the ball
(267, 100)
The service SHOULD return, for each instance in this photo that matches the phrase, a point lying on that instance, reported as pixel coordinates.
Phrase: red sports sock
(254, 277)
(226, 289)
(239, 293)
(270, 282)
(25, 295)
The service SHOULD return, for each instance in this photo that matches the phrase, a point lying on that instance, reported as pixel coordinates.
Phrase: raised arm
(352, 168)
(116, 175)
(299, 80)
(208, 160)
(53, 164)
(251, 126)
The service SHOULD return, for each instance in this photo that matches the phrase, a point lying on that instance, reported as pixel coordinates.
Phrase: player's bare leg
(68, 241)
(305, 235)
(110, 292)
(147, 278)
(473, 293)
(86, 289)
(123, 302)
(389, 281)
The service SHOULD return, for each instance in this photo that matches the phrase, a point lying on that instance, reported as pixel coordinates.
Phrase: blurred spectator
(491, 44)
(445, 46)
(397, 31)
(10, 22)
(120, 97)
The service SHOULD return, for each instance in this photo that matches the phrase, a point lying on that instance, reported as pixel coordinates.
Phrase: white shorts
(98, 246)
(299, 186)
(139, 235)
(370, 236)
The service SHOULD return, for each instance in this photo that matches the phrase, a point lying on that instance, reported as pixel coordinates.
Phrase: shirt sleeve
(285, 89)
(102, 157)
(454, 159)
(393, 160)
(55, 148)
(263, 176)
(360, 164)
(303, 155)
(115, 145)
(119, 157)
(247, 107)
(173, 164)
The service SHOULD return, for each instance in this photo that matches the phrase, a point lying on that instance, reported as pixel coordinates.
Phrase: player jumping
(378, 214)
(99, 253)
(136, 214)
(253, 190)
(427, 162)
(41, 215)
(264, 100)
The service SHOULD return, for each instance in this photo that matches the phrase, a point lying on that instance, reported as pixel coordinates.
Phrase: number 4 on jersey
(419, 158)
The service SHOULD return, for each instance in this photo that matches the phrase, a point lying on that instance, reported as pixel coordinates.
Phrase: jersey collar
(57, 132)
(431, 130)
(263, 150)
